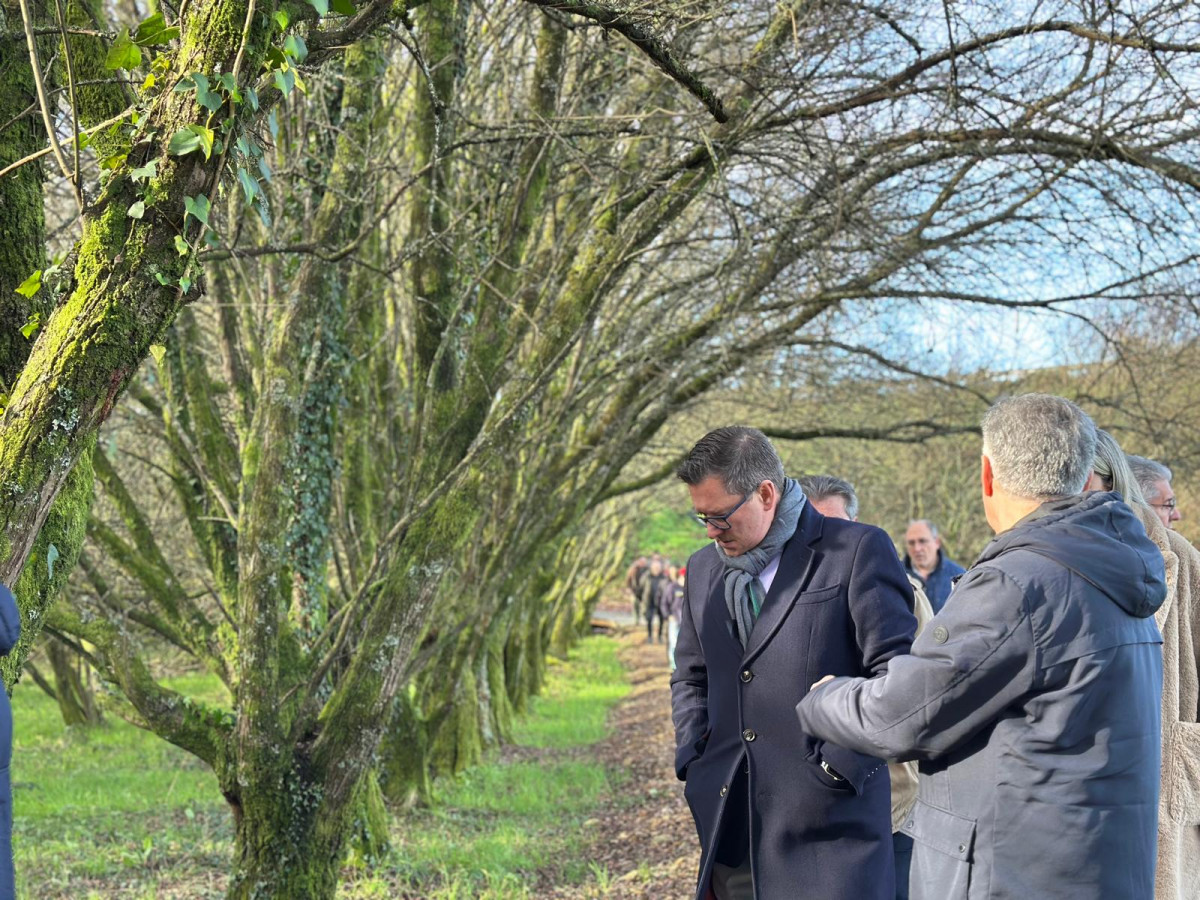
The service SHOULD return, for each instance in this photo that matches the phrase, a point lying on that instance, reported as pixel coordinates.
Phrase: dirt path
(645, 843)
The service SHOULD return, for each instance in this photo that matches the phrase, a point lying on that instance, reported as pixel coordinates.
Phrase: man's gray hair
(818, 487)
(1114, 470)
(742, 458)
(933, 529)
(1041, 446)
(1148, 473)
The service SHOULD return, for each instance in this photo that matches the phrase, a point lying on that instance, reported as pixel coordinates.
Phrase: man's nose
(713, 531)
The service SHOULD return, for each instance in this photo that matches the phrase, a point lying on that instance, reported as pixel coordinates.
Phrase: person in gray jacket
(1032, 701)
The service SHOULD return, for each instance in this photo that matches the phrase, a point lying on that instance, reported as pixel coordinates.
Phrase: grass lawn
(115, 812)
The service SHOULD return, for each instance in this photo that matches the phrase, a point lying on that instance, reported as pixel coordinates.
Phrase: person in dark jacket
(10, 631)
(926, 559)
(670, 606)
(781, 594)
(652, 585)
(1032, 699)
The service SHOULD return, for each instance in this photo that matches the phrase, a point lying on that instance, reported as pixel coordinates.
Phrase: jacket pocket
(943, 851)
(820, 595)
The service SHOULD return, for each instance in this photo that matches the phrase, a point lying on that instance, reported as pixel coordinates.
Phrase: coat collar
(794, 566)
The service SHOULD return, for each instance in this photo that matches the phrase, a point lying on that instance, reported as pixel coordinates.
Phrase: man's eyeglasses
(721, 523)
(1169, 505)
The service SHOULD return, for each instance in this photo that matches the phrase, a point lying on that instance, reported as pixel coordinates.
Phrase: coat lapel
(794, 567)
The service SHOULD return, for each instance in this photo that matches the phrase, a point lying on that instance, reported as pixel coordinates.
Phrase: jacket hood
(1100, 539)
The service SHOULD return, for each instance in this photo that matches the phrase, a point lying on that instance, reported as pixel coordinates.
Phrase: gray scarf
(741, 572)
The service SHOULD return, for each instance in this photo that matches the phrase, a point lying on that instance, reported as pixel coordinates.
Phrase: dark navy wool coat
(839, 605)
(10, 630)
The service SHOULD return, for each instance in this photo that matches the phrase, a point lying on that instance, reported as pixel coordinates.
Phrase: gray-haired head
(818, 487)
(1148, 473)
(742, 458)
(1114, 470)
(1041, 446)
(933, 529)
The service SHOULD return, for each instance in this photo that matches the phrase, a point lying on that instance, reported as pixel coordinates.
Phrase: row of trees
(423, 283)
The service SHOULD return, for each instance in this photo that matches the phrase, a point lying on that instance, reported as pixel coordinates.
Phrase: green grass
(673, 532)
(116, 812)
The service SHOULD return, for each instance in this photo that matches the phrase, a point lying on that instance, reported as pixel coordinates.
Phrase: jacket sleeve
(879, 597)
(10, 621)
(974, 659)
(689, 684)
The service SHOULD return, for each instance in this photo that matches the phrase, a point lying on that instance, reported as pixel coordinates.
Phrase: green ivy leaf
(183, 142)
(30, 285)
(252, 96)
(295, 47)
(321, 6)
(191, 138)
(181, 245)
(185, 284)
(154, 31)
(197, 207)
(31, 325)
(345, 7)
(137, 210)
(159, 352)
(285, 80)
(207, 98)
(149, 170)
(249, 184)
(124, 53)
(281, 19)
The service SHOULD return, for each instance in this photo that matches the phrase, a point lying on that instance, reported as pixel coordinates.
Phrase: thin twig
(45, 150)
(47, 120)
(62, 25)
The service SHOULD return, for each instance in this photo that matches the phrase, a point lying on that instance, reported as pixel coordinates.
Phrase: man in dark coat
(782, 593)
(1032, 699)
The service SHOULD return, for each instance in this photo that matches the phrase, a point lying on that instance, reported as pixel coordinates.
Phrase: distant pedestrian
(651, 586)
(672, 597)
(925, 558)
(1032, 700)
(836, 498)
(635, 581)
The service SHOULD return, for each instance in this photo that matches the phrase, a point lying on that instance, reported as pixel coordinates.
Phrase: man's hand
(817, 684)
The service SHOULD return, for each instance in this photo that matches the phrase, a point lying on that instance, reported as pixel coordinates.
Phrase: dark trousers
(902, 848)
(651, 615)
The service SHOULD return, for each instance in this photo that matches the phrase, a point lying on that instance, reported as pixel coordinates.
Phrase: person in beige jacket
(836, 497)
(1177, 874)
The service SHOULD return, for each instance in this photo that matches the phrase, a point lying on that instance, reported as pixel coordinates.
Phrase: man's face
(1163, 503)
(833, 506)
(922, 546)
(748, 526)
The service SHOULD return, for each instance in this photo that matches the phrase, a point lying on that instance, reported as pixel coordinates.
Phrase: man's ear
(987, 478)
(769, 494)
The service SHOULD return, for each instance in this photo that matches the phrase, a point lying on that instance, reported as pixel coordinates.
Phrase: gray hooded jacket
(1032, 701)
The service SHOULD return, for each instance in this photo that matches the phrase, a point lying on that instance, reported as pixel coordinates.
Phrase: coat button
(940, 634)
(962, 848)
(749, 735)
(724, 790)
(747, 675)
(908, 824)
